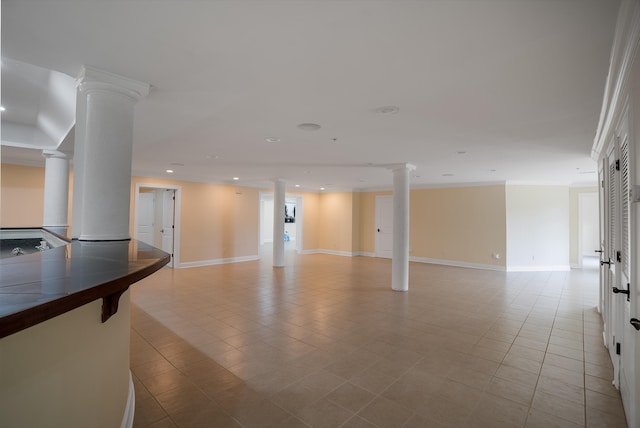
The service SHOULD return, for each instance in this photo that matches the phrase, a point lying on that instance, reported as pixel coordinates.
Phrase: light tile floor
(324, 342)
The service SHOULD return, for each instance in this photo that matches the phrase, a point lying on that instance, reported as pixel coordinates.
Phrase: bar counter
(37, 287)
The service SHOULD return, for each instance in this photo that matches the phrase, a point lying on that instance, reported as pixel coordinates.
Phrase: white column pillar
(105, 163)
(400, 258)
(78, 170)
(278, 223)
(56, 189)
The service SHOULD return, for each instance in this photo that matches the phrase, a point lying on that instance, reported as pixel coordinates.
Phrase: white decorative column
(56, 189)
(278, 223)
(400, 258)
(104, 161)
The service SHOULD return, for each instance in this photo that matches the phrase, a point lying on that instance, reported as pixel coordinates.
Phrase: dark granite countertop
(37, 287)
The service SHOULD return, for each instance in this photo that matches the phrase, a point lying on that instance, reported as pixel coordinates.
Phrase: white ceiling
(515, 84)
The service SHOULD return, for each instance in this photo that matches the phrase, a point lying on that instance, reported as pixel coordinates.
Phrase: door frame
(299, 200)
(175, 260)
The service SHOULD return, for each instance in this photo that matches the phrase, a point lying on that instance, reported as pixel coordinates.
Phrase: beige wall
(218, 221)
(355, 222)
(311, 220)
(71, 371)
(465, 224)
(336, 222)
(367, 220)
(22, 196)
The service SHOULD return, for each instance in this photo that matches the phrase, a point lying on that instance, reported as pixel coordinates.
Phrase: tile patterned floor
(324, 342)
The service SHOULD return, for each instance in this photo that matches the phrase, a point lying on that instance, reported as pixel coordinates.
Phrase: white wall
(537, 227)
(588, 217)
(266, 220)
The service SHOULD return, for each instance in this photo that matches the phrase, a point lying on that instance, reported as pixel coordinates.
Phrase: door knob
(635, 322)
(602, 262)
(598, 251)
(617, 290)
(378, 230)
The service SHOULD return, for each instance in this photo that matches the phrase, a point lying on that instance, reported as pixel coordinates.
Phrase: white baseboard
(330, 252)
(130, 408)
(365, 254)
(551, 268)
(457, 263)
(200, 263)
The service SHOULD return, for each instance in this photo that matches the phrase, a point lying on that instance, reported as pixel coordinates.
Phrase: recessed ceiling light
(461, 152)
(170, 171)
(387, 110)
(447, 175)
(307, 172)
(492, 170)
(236, 178)
(309, 126)
(2, 108)
(177, 164)
(322, 188)
(272, 140)
(297, 185)
(212, 157)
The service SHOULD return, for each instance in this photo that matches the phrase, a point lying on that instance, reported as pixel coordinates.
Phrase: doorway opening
(292, 224)
(588, 231)
(157, 218)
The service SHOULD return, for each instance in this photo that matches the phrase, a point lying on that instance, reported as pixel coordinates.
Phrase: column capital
(55, 154)
(92, 79)
(401, 167)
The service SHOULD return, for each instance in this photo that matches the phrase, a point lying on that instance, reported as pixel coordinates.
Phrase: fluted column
(56, 189)
(400, 258)
(278, 223)
(104, 160)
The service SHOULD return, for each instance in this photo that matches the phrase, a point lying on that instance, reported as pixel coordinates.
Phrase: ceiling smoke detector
(387, 110)
(309, 126)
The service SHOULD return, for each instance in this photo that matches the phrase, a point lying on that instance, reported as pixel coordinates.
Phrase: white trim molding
(456, 263)
(625, 44)
(550, 268)
(130, 408)
(364, 254)
(200, 263)
(330, 252)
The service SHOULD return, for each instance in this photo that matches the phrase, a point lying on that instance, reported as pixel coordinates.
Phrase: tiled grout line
(535, 388)
(540, 291)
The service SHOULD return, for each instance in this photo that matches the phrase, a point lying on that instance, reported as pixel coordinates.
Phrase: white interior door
(384, 226)
(146, 205)
(611, 264)
(168, 222)
(627, 332)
